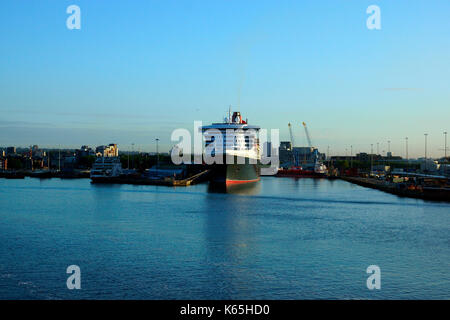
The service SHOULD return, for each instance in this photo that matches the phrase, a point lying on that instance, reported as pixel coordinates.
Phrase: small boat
(43, 174)
(318, 171)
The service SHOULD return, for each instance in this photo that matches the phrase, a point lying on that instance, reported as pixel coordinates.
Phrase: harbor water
(283, 238)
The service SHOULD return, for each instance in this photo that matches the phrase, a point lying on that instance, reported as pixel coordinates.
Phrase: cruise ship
(106, 168)
(240, 151)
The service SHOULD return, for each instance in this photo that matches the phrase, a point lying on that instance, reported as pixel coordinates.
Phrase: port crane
(292, 136)
(307, 135)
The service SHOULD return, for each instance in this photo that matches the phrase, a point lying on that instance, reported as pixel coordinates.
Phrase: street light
(157, 153)
(371, 158)
(128, 166)
(426, 136)
(426, 165)
(351, 156)
(445, 146)
(132, 151)
(329, 156)
(406, 139)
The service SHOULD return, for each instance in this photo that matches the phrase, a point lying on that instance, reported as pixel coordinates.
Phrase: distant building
(297, 155)
(307, 154)
(58, 159)
(11, 151)
(107, 151)
(3, 164)
(341, 158)
(286, 145)
(444, 169)
(285, 153)
(429, 166)
(69, 162)
(36, 152)
(381, 168)
(84, 151)
(368, 157)
(363, 156)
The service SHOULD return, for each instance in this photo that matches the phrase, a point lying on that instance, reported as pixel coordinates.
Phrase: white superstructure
(237, 138)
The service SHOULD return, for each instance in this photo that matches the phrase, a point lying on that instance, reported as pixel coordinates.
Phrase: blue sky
(139, 69)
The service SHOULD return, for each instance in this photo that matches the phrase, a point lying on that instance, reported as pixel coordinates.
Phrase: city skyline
(132, 74)
(133, 148)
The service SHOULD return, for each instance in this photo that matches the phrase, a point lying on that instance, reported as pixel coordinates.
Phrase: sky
(137, 70)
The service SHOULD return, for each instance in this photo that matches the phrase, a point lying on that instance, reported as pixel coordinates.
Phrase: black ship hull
(105, 179)
(235, 174)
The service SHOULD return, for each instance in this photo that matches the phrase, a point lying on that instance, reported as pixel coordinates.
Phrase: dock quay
(425, 192)
(196, 178)
(45, 174)
(159, 181)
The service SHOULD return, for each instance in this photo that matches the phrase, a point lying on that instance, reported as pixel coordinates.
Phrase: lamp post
(426, 165)
(157, 153)
(406, 141)
(445, 146)
(426, 136)
(132, 151)
(351, 156)
(371, 158)
(328, 156)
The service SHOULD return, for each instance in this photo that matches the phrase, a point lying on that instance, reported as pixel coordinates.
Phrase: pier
(425, 192)
(158, 181)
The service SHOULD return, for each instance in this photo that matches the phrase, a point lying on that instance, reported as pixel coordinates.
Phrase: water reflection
(229, 239)
(105, 195)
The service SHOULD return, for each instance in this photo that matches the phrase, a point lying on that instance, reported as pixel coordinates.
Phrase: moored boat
(317, 171)
(106, 169)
